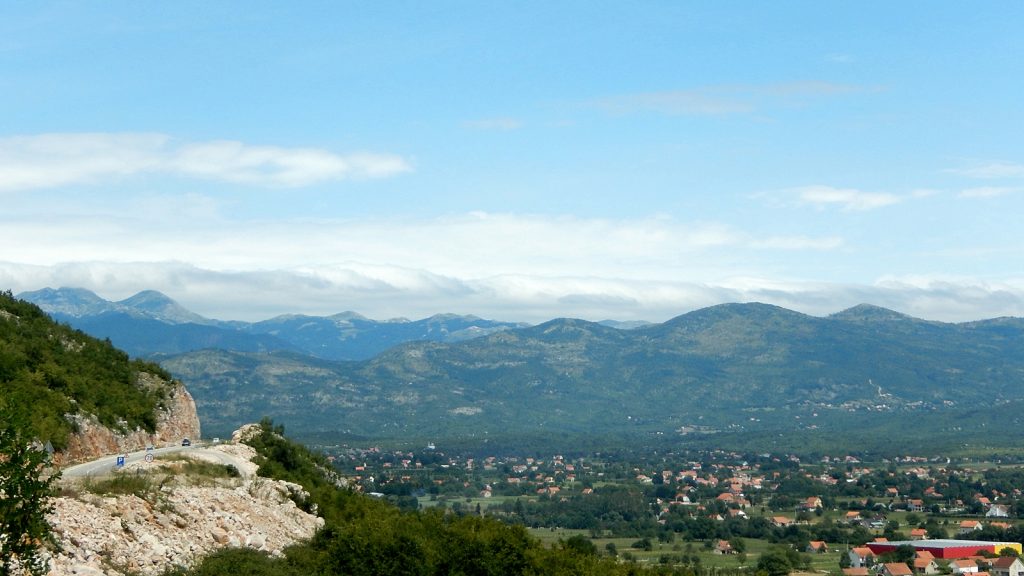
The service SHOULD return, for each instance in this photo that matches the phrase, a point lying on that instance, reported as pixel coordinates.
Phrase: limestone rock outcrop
(178, 523)
(175, 422)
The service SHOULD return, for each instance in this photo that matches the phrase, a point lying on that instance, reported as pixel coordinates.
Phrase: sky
(518, 161)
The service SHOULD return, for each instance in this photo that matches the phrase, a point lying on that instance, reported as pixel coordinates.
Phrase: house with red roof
(925, 566)
(895, 569)
(817, 547)
(968, 527)
(723, 547)
(1007, 566)
(964, 566)
(861, 557)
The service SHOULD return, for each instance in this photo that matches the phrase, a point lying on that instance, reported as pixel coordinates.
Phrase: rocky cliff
(177, 420)
(175, 519)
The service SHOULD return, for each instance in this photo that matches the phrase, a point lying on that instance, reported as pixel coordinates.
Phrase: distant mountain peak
(159, 306)
(74, 302)
(148, 296)
(82, 303)
(624, 324)
(445, 317)
(349, 315)
(870, 313)
(753, 311)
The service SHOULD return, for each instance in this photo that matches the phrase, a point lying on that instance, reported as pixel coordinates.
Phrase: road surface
(108, 464)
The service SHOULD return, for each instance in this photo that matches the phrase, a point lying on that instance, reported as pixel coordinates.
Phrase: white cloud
(388, 291)
(464, 246)
(845, 198)
(991, 170)
(51, 160)
(507, 266)
(476, 261)
(987, 192)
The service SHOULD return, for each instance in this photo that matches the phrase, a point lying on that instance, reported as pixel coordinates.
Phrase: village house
(861, 557)
(1007, 566)
(925, 565)
(968, 527)
(997, 511)
(964, 566)
(918, 534)
(855, 571)
(810, 504)
(724, 548)
(895, 569)
(817, 547)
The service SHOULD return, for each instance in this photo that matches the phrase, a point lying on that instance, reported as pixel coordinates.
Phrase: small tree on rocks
(24, 499)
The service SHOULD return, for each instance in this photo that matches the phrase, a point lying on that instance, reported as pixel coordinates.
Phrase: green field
(820, 563)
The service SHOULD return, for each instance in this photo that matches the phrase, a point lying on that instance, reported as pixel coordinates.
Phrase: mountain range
(150, 323)
(752, 373)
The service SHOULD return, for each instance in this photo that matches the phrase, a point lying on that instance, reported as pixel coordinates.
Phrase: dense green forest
(368, 536)
(48, 370)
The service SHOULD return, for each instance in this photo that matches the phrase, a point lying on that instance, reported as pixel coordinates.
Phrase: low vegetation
(24, 499)
(56, 370)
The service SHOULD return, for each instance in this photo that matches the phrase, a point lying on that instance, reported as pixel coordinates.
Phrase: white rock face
(176, 525)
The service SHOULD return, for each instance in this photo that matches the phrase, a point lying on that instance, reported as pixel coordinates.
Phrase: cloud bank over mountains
(382, 292)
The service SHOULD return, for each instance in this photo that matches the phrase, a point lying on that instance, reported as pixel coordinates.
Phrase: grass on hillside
(146, 484)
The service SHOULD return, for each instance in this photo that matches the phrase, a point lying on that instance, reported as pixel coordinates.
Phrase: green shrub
(58, 370)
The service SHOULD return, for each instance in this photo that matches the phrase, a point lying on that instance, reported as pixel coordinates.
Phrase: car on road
(186, 442)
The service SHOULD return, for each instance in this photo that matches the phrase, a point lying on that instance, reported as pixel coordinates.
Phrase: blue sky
(520, 161)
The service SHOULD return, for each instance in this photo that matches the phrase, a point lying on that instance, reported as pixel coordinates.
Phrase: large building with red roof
(946, 549)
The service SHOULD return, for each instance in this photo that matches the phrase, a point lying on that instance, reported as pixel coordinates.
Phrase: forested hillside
(48, 371)
(750, 372)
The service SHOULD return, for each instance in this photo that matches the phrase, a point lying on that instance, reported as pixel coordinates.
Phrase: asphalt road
(108, 464)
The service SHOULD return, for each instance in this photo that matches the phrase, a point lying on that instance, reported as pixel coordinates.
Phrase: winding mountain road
(108, 464)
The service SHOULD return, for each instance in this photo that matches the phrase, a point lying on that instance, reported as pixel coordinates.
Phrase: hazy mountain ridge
(82, 303)
(730, 368)
(150, 323)
(727, 368)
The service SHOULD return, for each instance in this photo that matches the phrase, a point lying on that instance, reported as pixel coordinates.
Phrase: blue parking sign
(120, 461)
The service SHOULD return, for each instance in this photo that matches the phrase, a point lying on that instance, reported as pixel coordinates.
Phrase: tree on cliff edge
(24, 499)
